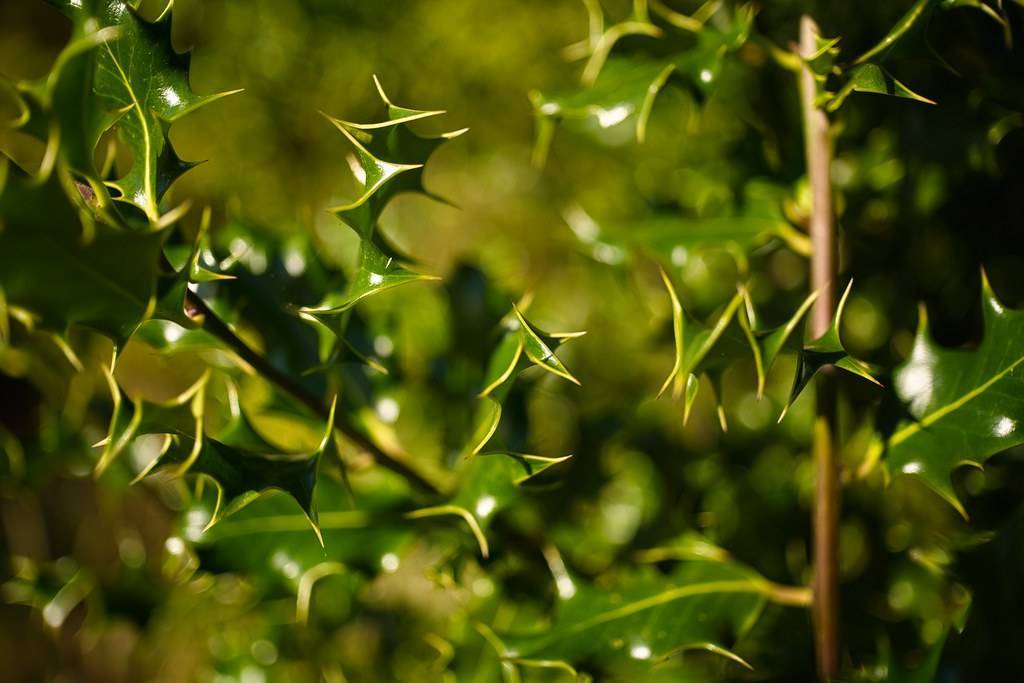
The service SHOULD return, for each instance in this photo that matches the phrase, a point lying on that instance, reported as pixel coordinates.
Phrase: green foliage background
(927, 197)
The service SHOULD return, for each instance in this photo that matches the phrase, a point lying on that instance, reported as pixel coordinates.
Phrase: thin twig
(218, 328)
(818, 148)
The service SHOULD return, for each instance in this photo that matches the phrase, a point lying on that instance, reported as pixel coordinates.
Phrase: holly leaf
(271, 543)
(175, 282)
(770, 341)
(376, 273)
(964, 406)
(62, 108)
(703, 349)
(871, 78)
(619, 91)
(644, 619)
(388, 160)
(140, 78)
(68, 265)
(494, 481)
(623, 96)
(522, 345)
(491, 483)
(827, 350)
(241, 464)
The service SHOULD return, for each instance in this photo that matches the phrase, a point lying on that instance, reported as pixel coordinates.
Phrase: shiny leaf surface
(644, 619)
(964, 406)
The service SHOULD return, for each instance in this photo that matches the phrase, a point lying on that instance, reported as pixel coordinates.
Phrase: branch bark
(218, 328)
(818, 149)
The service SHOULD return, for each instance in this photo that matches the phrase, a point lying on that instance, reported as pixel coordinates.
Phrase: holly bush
(683, 346)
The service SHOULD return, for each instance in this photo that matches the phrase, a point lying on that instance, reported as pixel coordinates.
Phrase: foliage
(275, 435)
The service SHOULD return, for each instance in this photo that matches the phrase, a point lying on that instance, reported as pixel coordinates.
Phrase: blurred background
(928, 196)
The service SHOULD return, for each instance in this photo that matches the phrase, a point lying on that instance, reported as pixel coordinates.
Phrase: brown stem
(218, 328)
(818, 148)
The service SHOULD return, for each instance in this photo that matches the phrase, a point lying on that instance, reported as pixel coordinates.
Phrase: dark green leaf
(871, 78)
(67, 265)
(965, 405)
(827, 350)
(239, 462)
(141, 75)
(522, 345)
(644, 619)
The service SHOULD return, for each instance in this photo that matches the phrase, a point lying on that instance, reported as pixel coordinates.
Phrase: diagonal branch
(197, 308)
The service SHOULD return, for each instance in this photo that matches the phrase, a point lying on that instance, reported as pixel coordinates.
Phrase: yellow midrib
(147, 183)
(936, 415)
(731, 586)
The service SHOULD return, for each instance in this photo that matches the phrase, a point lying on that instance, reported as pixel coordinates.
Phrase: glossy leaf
(270, 542)
(376, 273)
(621, 90)
(62, 107)
(389, 160)
(521, 346)
(623, 96)
(493, 481)
(239, 462)
(67, 266)
(871, 78)
(142, 78)
(644, 619)
(827, 350)
(964, 406)
(701, 349)
(770, 342)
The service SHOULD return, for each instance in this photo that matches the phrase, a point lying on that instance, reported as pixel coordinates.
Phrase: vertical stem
(818, 149)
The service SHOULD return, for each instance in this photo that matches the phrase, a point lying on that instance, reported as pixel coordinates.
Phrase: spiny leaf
(644, 618)
(173, 286)
(115, 278)
(238, 461)
(701, 349)
(141, 76)
(618, 90)
(376, 273)
(770, 342)
(521, 345)
(68, 265)
(389, 159)
(271, 543)
(827, 350)
(538, 350)
(964, 406)
(871, 78)
(623, 96)
(62, 109)
(492, 482)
